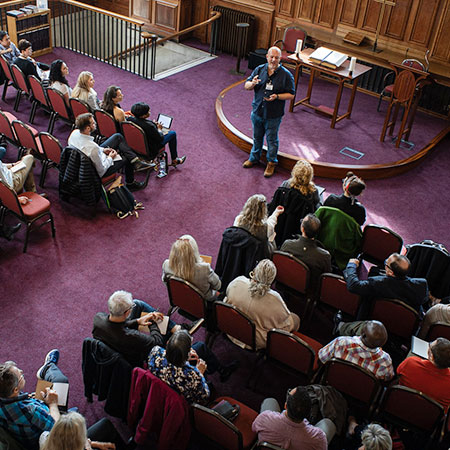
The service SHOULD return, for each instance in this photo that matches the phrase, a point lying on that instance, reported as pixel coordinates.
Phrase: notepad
(18, 167)
(62, 389)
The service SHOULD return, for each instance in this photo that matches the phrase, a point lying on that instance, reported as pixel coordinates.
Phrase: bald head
(397, 265)
(273, 58)
(374, 334)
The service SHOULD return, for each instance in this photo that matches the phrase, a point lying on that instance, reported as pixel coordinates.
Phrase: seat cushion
(315, 345)
(36, 206)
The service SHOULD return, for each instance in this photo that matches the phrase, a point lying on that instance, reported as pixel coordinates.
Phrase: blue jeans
(171, 139)
(269, 128)
(53, 374)
(2, 152)
(145, 307)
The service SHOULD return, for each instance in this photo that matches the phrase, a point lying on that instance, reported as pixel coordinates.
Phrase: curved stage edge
(323, 169)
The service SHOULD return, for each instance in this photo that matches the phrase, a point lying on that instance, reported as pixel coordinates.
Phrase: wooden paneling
(165, 14)
(396, 18)
(423, 15)
(349, 12)
(306, 10)
(441, 45)
(141, 9)
(326, 13)
(371, 12)
(286, 7)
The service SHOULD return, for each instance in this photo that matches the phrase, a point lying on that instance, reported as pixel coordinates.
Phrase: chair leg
(379, 102)
(43, 173)
(18, 97)
(5, 88)
(20, 153)
(25, 245)
(51, 124)
(52, 223)
(33, 111)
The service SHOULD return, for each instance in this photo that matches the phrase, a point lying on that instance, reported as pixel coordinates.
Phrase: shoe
(337, 320)
(136, 185)
(247, 164)
(192, 327)
(226, 371)
(8, 232)
(270, 169)
(43, 194)
(161, 174)
(51, 357)
(140, 165)
(178, 161)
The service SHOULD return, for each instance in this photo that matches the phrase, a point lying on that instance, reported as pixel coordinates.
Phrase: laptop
(165, 121)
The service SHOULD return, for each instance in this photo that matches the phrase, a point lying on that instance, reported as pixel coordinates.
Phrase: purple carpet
(51, 294)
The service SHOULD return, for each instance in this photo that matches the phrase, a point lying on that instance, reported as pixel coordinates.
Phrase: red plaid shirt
(353, 350)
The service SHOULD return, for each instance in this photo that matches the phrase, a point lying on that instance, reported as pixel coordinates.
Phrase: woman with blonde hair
(299, 196)
(254, 297)
(84, 90)
(185, 262)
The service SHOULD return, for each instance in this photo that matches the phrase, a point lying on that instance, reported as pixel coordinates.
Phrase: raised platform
(306, 134)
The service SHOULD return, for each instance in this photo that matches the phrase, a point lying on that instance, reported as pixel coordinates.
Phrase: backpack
(120, 201)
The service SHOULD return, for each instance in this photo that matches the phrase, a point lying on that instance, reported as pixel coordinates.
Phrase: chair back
(6, 69)
(9, 200)
(106, 125)
(291, 351)
(186, 296)
(6, 128)
(21, 81)
(38, 90)
(51, 146)
(414, 64)
(411, 409)
(291, 272)
(135, 137)
(26, 137)
(235, 323)
(78, 107)
(357, 384)
(333, 292)
(378, 243)
(438, 329)
(401, 320)
(215, 427)
(58, 104)
(291, 34)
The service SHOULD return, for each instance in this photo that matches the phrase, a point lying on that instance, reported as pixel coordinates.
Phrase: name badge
(269, 86)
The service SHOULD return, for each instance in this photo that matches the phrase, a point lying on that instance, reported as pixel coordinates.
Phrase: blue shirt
(10, 56)
(283, 83)
(25, 419)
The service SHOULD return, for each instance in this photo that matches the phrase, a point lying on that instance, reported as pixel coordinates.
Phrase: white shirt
(6, 175)
(61, 87)
(86, 144)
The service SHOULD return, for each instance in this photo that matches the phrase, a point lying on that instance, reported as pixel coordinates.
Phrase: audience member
(430, 376)
(111, 103)
(309, 250)
(25, 62)
(119, 328)
(7, 48)
(58, 80)
(156, 137)
(290, 428)
(22, 415)
(185, 262)
(84, 90)
(369, 437)
(22, 178)
(347, 202)
(183, 366)
(69, 433)
(364, 350)
(259, 302)
(104, 156)
(393, 284)
(437, 313)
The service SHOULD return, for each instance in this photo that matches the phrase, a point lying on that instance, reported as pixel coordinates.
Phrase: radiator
(228, 32)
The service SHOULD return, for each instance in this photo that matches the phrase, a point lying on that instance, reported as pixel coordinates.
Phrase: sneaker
(270, 169)
(247, 164)
(51, 357)
(178, 161)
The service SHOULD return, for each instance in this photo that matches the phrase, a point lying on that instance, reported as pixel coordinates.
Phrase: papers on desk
(419, 347)
(328, 58)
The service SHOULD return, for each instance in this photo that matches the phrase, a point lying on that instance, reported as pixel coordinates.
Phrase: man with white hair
(375, 437)
(119, 328)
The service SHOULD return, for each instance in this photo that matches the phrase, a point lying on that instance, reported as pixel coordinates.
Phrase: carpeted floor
(50, 295)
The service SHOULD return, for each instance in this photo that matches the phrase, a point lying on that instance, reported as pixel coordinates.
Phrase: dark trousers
(104, 431)
(213, 364)
(171, 139)
(117, 142)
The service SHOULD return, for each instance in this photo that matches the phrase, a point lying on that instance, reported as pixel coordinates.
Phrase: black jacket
(154, 137)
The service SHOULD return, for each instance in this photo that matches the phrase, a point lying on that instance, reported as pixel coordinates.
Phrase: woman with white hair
(254, 297)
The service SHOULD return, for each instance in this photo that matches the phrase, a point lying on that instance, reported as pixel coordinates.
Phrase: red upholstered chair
(401, 320)
(388, 89)
(6, 129)
(52, 149)
(413, 410)
(79, 107)
(21, 85)
(60, 110)
(294, 352)
(106, 124)
(356, 384)
(27, 139)
(289, 43)
(438, 329)
(36, 209)
(378, 243)
(39, 98)
(8, 74)
(236, 435)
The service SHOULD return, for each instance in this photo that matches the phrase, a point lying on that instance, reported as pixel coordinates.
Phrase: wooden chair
(36, 209)
(39, 98)
(52, 149)
(378, 243)
(22, 85)
(289, 43)
(60, 110)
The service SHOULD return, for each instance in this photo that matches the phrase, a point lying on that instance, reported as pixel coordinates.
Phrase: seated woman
(111, 103)
(57, 78)
(347, 202)
(183, 366)
(69, 433)
(254, 297)
(299, 197)
(84, 90)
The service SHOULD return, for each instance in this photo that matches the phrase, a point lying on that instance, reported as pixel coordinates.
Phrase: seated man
(364, 350)
(26, 63)
(7, 48)
(437, 313)
(156, 139)
(309, 250)
(290, 429)
(21, 415)
(395, 284)
(119, 329)
(108, 157)
(430, 376)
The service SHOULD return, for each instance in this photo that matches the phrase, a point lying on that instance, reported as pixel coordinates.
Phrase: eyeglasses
(387, 265)
(130, 308)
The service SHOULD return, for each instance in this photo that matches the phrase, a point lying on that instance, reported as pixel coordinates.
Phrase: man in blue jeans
(273, 85)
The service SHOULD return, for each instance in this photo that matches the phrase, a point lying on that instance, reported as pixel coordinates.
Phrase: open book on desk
(328, 58)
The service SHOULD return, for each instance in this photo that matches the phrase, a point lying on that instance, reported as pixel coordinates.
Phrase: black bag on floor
(120, 201)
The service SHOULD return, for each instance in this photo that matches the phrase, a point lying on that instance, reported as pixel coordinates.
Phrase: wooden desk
(342, 74)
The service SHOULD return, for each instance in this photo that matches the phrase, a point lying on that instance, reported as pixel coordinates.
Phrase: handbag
(120, 201)
(227, 410)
